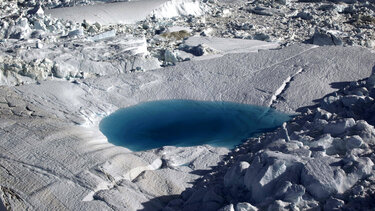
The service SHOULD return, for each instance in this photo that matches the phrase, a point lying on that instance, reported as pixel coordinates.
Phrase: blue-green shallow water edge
(155, 124)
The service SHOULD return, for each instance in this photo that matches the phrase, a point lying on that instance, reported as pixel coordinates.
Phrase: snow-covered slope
(173, 8)
(128, 12)
(113, 13)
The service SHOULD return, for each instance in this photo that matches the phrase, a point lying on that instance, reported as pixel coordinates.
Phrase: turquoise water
(187, 123)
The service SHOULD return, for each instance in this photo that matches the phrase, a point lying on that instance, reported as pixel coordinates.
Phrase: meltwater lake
(187, 123)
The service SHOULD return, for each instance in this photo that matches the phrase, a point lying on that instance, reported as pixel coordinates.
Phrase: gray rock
(305, 15)
(261, 36)
(262, 11)
(325, 38)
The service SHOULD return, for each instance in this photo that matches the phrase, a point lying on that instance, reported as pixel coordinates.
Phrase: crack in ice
(283, 88)
(284, 60)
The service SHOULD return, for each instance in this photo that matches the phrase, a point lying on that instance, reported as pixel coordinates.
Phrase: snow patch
(175, 8)
(129, 12)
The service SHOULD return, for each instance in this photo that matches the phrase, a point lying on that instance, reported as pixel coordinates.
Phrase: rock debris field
(66, 65)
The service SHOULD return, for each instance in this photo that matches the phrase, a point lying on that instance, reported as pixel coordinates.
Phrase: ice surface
(104, 35)
(187, 123)
(37, 119)
(175, 8)
(229, 45)
(128, 12)
(113, 13)
(53, 156)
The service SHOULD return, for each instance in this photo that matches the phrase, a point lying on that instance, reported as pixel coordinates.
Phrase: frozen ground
(60, 77)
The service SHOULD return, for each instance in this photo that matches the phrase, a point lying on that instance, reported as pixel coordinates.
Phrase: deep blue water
(187, 123)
